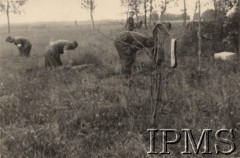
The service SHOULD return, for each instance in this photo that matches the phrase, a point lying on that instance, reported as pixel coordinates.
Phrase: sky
(70, 10)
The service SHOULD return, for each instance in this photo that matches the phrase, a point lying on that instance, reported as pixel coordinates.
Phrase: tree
(145, 12)
(215, 8)
(11, 6)
(209, 14)
(219, 8)
(195, 12)
(199, 35)
(163, 7)
(238, 16)
(89, 5)
(184, 14)
(233, 24)
(133, 5)
(125, 3)
(150, 11)
(231, 10)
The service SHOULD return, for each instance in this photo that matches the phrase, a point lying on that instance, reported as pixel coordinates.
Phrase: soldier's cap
(132, 12)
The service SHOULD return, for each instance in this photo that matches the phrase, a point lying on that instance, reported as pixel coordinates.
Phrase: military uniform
(24, 46)
(127, 44)
(130, 24)
(54, 50)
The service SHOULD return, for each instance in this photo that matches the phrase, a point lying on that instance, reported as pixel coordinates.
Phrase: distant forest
(174, 17)
(166, 17)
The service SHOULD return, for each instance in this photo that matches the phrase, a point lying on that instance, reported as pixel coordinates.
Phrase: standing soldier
(130, 26)
(24, 46)
(55, 49)
(127, 44)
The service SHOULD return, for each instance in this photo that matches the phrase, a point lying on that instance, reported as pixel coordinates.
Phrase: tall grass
(96, 113)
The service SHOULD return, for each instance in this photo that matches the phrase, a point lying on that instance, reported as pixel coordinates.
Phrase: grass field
(98, 113)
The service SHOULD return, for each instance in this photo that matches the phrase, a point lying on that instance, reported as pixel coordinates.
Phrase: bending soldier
(54, 50)
(130, 26)
(24, 46)
(127, 44)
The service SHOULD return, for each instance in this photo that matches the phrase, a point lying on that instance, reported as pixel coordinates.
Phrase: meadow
(96, 112)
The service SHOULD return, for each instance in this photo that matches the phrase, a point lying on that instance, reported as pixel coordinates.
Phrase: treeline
(166, 17)
(150, 11)
(174, 17)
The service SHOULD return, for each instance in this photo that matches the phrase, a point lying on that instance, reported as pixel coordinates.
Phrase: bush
(212, 39)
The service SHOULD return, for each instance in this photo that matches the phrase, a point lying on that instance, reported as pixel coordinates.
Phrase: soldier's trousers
(25, 50)
(127, 56)
(51, 61)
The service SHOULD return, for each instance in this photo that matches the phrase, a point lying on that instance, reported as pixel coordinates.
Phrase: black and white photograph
(119, 78)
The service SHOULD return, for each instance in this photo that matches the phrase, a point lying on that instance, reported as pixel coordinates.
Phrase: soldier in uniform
(24, 46)
(163, 47)
(130, 26)
(55, 49)
(127, 44)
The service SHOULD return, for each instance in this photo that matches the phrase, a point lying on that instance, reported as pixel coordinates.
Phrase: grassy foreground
(97, 113)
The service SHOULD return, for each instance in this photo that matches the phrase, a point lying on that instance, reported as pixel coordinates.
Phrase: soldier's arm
(67, 50)
(135, 46)
(137, 41)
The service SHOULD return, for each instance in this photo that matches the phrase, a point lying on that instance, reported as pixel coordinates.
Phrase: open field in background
(96, 112)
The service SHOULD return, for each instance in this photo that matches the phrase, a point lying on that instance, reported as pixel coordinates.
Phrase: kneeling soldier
(127, 44)
(24, 46)
(54, 50)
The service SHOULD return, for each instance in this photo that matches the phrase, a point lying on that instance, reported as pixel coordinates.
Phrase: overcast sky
(70, 10)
